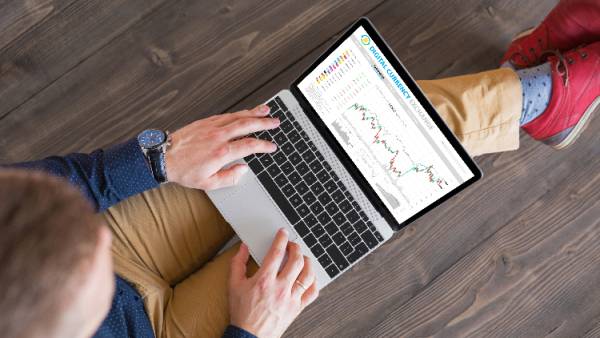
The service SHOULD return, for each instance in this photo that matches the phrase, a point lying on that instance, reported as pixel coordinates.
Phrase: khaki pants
(166, 240)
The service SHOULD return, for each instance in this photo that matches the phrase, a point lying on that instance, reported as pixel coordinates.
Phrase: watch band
(157, 165)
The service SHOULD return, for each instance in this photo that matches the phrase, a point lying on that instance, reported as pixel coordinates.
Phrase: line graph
(382, 137)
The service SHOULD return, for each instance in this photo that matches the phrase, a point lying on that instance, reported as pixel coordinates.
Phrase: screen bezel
(345, 159)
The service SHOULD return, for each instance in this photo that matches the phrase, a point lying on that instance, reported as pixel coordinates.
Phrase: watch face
(151, 138)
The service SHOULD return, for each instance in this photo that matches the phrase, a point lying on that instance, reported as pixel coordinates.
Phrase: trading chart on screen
(382, 127)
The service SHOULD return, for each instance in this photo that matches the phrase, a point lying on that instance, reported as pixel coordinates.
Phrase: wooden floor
(517, 255)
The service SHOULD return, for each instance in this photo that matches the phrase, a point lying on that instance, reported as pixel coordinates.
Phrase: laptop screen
(383, 128)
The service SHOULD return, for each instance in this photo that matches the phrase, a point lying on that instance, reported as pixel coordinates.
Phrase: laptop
(361, 154)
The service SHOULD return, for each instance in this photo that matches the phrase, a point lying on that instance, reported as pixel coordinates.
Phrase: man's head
(56, 277)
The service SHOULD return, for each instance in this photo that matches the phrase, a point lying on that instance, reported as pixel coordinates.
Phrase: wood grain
(513, 256)
(39, 57)
(186, 61)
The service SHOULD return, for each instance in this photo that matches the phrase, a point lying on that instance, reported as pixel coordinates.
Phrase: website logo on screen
(365, 39)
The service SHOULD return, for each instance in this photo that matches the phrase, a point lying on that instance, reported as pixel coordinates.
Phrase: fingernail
(283, 231)
(264, 109)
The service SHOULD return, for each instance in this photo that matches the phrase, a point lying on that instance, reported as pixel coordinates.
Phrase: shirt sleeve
(106, 177)
(236, 332)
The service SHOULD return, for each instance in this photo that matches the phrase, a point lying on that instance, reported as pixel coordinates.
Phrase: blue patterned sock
(537, 90)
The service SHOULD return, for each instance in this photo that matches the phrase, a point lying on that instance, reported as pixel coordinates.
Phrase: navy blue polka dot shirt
(107, 177)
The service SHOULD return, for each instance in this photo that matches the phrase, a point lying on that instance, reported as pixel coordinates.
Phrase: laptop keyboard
(312, 196)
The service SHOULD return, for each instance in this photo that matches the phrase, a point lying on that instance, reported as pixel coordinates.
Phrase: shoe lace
(562, 66)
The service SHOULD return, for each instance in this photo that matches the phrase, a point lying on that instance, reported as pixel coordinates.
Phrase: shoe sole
(577, 129)
(524, 33)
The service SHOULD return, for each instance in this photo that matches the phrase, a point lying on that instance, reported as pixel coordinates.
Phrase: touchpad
(252, 214)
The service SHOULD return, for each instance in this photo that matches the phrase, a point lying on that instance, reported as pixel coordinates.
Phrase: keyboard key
(324, 198)
(294, 137)
(295, 158)
(354, 256)
(346, 248)
(317, 250)
(302, 188)
(337, 196)
(363, 215)
(302, 210)
(280, 103)
(278, 114)
(338, 238)
(287, 148)
(325, 240)
(330, 186)
(331, 208)
(308, 156)
(371, 226)
(324, 260)
(311, 221)
(310, 240)
(272, 105)
(295, 200)
(266, 160)
(316, 208)
(354, 238)
(315, 166)
(317, 230)
(273, 170)
(323, 176)
(324, 218)
(336, 255)
(301, 146)
(302, 168)
(346, 229)
(339, 218)
(317, 188)
(369, 239)
(279, 138)
(360, 227)
(294, 178)
(288, 190)
(352, 216)
(281, 180)
(327, 167)
(255, 165)
(378, 236)
(278, 197)
(309, 198)
(334, 176)
(286, 167)
(286, 126)
(320, 157)
(304, 135)
(309, 178)
(331, 228)
(361, 248)
(265, 136)
(332, 270)
(302, 229)
(345, 206)
(279, 157)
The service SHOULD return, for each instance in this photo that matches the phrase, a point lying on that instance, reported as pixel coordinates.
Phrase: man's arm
(106, 177)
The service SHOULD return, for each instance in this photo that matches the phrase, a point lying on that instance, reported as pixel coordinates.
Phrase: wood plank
(453, 229)
(43, 54)
(17, 17)
(188, 60)
(536, 276)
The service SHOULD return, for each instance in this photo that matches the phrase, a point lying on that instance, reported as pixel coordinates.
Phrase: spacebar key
(281, 201)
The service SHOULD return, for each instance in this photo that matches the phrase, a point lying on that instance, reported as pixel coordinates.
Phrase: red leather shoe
(575, 97)
(570, 24)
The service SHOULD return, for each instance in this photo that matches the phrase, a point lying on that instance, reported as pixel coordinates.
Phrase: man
(55, 254)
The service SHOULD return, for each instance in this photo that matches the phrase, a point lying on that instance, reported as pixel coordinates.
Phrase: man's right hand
(200, 152)
(268, 302)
